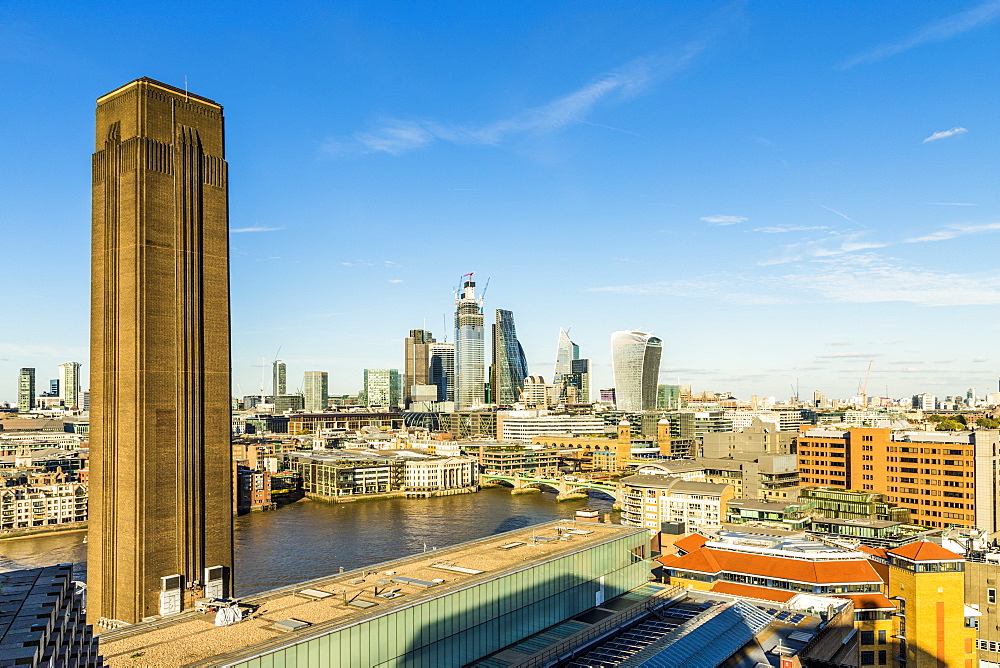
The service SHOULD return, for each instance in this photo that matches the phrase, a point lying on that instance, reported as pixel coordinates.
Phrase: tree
(988, 423)
(949, 425)
(961, 418)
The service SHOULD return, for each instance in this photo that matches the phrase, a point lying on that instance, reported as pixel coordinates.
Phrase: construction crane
(863, 387)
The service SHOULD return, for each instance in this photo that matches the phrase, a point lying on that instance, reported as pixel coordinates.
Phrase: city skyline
(820, 176)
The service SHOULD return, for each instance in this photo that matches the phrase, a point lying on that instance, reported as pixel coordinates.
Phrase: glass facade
(463, 625)
(636, 357)
(566, 352)
(510, 367)
(470, 356)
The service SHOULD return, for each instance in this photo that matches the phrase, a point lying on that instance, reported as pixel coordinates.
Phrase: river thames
(309, 539)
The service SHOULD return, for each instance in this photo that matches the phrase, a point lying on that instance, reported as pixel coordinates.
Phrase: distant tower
(566, 352)
(470, 357)
(441, 370)
(316, 390)
(636, 358)
(161, 528)
(26, 390)
(382, 388)
(576, 383)
(279, 379)
(509, 368)
(69, 381)
(417, 361)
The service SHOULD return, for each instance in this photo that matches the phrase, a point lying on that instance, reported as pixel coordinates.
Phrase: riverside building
(449, 607)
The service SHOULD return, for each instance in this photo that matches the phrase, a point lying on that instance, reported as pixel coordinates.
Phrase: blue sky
(782, 191)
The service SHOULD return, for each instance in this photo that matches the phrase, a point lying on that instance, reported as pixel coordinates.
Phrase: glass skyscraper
(510, 367)
(636, 358)
(470, 356)
(441, 370)
(566, 352)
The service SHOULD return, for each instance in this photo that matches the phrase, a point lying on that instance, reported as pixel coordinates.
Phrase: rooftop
(191, 638)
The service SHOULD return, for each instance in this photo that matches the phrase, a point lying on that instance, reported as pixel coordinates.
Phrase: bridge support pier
(525, 490)
(571, 496)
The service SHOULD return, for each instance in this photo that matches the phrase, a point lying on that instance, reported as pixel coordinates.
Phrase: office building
(944, 479)
(316, 390)
(526, 425)
(608, 395)
(161, 497)
(509, 368)
(69, 381)
(441, 370)
(42, 621)
(446, 608)
(25, 390)
(566, 352)
(652, 500)
(668, 397)
(417, 363)
(382, 388)
(636, 357)
(470, 358)
(576, 384)
(279, 378)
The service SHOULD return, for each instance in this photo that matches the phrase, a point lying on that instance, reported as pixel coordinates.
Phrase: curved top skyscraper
(636, 358)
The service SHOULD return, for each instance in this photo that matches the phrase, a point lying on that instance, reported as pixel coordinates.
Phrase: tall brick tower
(160, 491)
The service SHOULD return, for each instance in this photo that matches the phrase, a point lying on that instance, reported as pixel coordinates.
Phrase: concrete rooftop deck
(191, 638)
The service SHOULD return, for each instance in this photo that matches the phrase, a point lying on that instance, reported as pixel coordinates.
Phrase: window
(991, 595)
(882, 658)
(881, 640)
(867, 658)
(868, 638)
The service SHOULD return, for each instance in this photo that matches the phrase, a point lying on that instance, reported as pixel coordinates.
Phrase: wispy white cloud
(952, 203)
(255, 228)
(859, 278)
(838, 343)
(396, 136)
(957, 230)
(980, 359)
(869, 278)
(937, 31)
(779, 229)
(839, 213)
(944, 134)
(720, 219)
(395, 280)
(832, 244)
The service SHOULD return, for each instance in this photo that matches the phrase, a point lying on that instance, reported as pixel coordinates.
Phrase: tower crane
(863, 388)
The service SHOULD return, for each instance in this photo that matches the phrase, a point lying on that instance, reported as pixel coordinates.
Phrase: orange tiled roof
(875, 551)
(923, 550)
(869, 601)
(690, 543)
(749, 591)
(714, 560)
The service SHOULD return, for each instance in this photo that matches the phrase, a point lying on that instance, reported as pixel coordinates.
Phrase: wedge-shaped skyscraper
(160, 530)
(636, 358)
(509, 368)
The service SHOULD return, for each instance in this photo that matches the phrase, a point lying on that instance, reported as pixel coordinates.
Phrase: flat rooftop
(331, 603)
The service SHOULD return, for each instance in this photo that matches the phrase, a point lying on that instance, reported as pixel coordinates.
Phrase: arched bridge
(565, 488)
